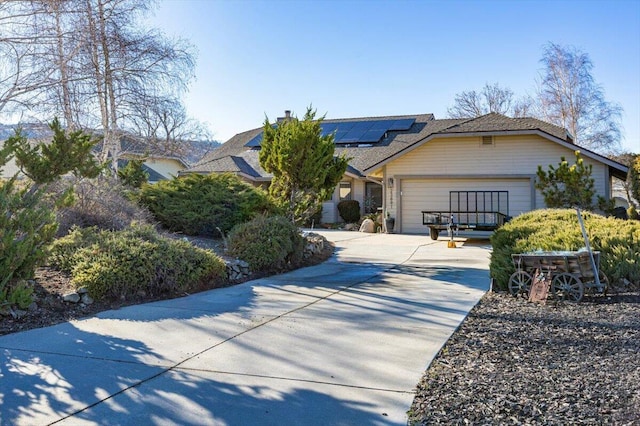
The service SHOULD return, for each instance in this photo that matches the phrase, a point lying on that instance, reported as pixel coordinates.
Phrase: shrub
(267, 243)
(102, 202)
(197, 205)
(617, 240)
(121, 264)
(27, 225)
(133, 174)
(349, 210)
(567, 186)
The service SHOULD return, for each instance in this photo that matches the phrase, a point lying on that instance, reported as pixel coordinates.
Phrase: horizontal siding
(166, 167)
(433, 194)
(509, 155)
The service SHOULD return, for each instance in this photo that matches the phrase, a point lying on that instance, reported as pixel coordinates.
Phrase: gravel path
(516, 362)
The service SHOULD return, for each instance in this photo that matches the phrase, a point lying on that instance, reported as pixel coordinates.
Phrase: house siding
(432, 194)
(330, 212)
(166, 167)
(509, 157)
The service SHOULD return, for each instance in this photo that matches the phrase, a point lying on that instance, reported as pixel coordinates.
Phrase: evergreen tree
(567, 185)
(133, 174)
(27, 226)
(302, 161)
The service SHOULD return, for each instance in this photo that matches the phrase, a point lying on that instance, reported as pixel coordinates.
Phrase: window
(345, 191)
(373, 197)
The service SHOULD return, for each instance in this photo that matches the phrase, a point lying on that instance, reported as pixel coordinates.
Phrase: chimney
(287, 116)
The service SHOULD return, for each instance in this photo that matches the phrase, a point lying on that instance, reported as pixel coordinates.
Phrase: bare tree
(91, 62)
(166, 127)
(492, 98)
(18, 79)
(569, 97)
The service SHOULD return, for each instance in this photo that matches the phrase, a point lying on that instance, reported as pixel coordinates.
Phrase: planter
(389, 224)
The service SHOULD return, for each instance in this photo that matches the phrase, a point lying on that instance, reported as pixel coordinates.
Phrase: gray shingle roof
(494, 122)
(234, 156)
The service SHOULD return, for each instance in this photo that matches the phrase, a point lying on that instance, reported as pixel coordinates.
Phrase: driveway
(341, 343)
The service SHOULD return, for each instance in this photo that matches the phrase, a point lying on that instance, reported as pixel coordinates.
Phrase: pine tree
(27, 226)
(303, 163)
(567, 185)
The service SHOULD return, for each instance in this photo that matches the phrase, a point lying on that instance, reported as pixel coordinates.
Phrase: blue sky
(371, 58)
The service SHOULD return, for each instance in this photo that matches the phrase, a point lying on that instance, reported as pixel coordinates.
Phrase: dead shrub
(101, 202)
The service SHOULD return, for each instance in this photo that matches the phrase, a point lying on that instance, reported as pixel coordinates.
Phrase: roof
(235, 156)
(135, 146)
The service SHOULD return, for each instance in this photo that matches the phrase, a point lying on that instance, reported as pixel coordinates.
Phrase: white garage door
(433, 194)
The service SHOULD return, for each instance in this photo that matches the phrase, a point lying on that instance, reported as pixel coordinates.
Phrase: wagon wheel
(566, 286)
(520, 284)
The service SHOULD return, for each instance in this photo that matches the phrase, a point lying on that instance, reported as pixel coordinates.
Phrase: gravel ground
(516, 362)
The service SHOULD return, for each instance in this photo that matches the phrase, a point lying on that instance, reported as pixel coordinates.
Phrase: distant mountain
(199, 149)
(31, 130)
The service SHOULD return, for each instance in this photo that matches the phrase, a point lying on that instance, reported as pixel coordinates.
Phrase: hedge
(121, 264)
(558, 229)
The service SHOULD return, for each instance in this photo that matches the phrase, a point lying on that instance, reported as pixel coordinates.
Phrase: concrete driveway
(342, 343)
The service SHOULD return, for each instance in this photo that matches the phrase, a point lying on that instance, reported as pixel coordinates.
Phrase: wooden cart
(571, 273)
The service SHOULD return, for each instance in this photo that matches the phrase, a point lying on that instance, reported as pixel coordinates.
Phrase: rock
(18, 313)
(237, 269)
(368, 226)
(82, 290)
(86, 299)
(350, 227)
(71, 297)
(33, 307)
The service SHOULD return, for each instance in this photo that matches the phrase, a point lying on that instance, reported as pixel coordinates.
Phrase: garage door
(433, 194)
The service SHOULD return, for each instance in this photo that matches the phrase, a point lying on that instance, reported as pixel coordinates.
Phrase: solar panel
(373, 135)
(339, 135)
(381, 124)
(255, 142)
(402, 124)
(365, 131)
(362, 125)
(328, 128)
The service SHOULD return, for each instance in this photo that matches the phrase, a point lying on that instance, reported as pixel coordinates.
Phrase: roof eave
(614, 166)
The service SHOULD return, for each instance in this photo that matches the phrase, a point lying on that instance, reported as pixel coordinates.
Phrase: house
(161, 161)
(413, 163)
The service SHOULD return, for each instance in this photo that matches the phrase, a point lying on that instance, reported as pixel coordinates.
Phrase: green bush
(267, 243)
(617, 240)
(197, 204)
(133, 174)
(121, 264)
(27, 227)
(19, 294)
(349, 210)
(27, 224)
